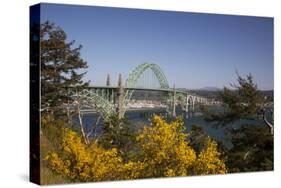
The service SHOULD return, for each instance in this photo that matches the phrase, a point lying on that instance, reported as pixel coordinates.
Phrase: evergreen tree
(197, 138)
(117, 133)
(61, 66)
(242, 101)
(252, 144)
(252, 151)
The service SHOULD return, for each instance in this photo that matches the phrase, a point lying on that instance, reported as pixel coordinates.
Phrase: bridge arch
(134, 76)
(140, 69)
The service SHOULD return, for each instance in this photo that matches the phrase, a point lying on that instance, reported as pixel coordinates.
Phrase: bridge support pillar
(187, 103)
(120, 95)
(174, 102)
(193, 101)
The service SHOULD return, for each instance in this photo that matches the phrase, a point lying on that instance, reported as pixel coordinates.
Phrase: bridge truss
(110, 101)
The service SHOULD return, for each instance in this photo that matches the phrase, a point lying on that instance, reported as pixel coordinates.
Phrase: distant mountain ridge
(210, 88)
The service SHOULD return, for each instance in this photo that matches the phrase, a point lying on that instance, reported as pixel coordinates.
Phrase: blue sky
(194, 50)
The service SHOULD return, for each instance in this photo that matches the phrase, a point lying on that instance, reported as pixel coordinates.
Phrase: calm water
(139, 118)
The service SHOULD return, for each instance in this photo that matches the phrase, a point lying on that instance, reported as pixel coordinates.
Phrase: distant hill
(214, 92)
(210, 88)
(208, 92)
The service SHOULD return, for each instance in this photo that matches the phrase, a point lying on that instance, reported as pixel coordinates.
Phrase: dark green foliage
(269, 94)
(252, 151)
(243, 101)
(61, 66)
(117, 133)
(252, 144)
(197, 138)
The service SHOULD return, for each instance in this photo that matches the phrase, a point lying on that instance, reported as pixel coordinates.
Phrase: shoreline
(128, 110)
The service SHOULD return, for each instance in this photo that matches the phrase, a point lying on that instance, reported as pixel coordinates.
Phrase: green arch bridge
(111, 100)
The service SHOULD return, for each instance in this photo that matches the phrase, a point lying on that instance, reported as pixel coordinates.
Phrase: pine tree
(61, 66)
(252, 144)
(242, 101)
(252, 149)
(117, 133)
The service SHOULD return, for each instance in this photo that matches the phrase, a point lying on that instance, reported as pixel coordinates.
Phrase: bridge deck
(138, 88)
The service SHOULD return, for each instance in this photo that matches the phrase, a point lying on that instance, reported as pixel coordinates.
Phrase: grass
(49, 141)
(49, 177)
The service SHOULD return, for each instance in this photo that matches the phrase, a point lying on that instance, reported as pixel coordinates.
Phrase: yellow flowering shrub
(165, 151)
(208, 161)
(81, 162)
(162, 151)
(105, 164)
(131, 170)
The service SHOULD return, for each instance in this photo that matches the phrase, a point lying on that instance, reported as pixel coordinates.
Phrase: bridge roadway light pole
(174, 101)
(120, 94)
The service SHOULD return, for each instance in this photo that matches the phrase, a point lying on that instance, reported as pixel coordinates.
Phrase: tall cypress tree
(61, 66)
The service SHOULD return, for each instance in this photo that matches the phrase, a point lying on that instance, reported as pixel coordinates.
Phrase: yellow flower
(162, 152)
